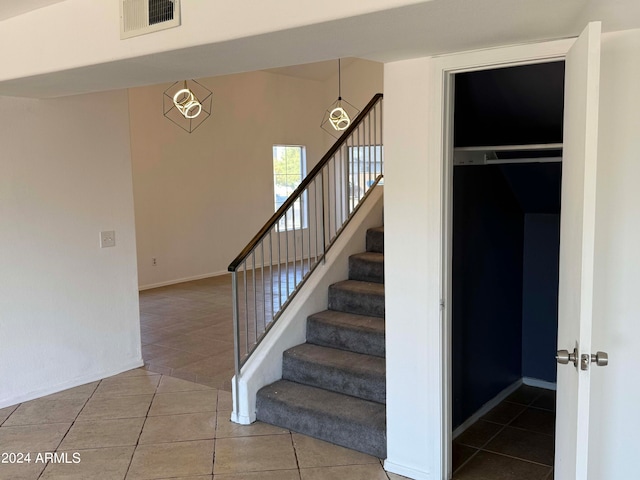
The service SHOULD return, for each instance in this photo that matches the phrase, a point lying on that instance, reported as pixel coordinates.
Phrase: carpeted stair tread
(340, 419)
(375, 239)
(347, 331)
(367, 267)
(353, 296)
(354, 374)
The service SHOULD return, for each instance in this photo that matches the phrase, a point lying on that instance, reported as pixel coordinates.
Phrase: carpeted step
(354, 374)
(352, 296)
(367, 267)
(347, 331)
(375, 240)
(340, 419)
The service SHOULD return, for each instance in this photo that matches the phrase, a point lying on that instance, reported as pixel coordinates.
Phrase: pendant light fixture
(340, 113)
(187, 104)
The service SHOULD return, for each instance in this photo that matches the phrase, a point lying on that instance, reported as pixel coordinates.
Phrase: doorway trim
(442, 70)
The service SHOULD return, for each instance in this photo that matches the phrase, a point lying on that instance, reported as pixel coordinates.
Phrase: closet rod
(508, 148)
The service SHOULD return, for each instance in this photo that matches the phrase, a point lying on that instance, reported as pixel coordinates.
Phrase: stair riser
(366, 386)
(344, 338)
(359, 303)
(375, 241)
(364, 438)
(366, 271)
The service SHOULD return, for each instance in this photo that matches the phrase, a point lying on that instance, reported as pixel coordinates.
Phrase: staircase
(333, 387)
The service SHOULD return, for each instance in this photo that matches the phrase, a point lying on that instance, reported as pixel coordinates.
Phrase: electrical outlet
(108, 239)
(154, 262)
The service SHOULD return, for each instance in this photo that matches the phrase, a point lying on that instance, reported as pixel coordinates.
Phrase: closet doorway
(507, 171)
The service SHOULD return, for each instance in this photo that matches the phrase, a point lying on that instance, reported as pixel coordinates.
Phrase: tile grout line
(504, 426)
(71, 426)
(142, 428)
(519, 458)
(295, 454)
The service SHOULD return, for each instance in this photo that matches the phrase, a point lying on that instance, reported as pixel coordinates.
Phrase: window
(289, 164)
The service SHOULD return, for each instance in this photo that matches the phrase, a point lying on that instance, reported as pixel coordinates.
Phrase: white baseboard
(486, 407)
(406, 471)
(534, 382)
(76, 382)
(181, 280)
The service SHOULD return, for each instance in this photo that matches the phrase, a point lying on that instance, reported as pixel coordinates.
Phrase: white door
(577, 232)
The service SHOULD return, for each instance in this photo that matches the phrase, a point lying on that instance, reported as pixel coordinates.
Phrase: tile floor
(187, 334)
(514, 441)
(187, 331)
(187, 328)
(140, 425)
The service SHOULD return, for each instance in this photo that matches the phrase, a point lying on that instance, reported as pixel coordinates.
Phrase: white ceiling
(13, 8)
(424, 29)
(319, 71)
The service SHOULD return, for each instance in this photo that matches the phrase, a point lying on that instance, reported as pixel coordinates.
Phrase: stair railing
(272, 268)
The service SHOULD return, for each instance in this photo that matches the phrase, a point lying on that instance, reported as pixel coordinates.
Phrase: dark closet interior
(506, 233)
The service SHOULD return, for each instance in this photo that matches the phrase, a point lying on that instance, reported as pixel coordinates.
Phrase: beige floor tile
(225, 401)
(254, 454)
(395, 476)
(102, 463)
(103, 433)
(184, 402)
(42, 411)
(105, 407)
(5, 412)
(136, 372)
(82, 392)
(222, 381)
(316, 453)
(352, 472)
(210, 366)
(168, 460)
(173, 385)
(158, 369)
(175, 358)
(226, 428)
(272, 475)
(121, 386)
(32, 438)
(22, 471)
(179, 428)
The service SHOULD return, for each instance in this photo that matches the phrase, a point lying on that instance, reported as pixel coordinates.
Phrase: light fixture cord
(339, 82)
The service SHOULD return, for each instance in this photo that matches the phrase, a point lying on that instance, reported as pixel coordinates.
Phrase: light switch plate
(108, 239)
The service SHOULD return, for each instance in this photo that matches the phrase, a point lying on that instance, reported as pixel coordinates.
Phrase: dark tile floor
(514, 441)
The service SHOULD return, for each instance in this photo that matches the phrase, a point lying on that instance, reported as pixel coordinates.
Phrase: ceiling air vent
(139, 17)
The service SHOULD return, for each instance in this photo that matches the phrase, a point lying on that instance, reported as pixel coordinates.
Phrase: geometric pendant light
(187, 104)
(340, 113)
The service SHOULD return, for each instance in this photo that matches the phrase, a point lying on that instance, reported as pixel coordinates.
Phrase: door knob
(601, 359)
(564, 356)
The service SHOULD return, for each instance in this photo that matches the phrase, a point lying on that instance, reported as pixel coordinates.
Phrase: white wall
(412, 302)
(615, 393)
(413, 188)
(68, 309)
(200, 197)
